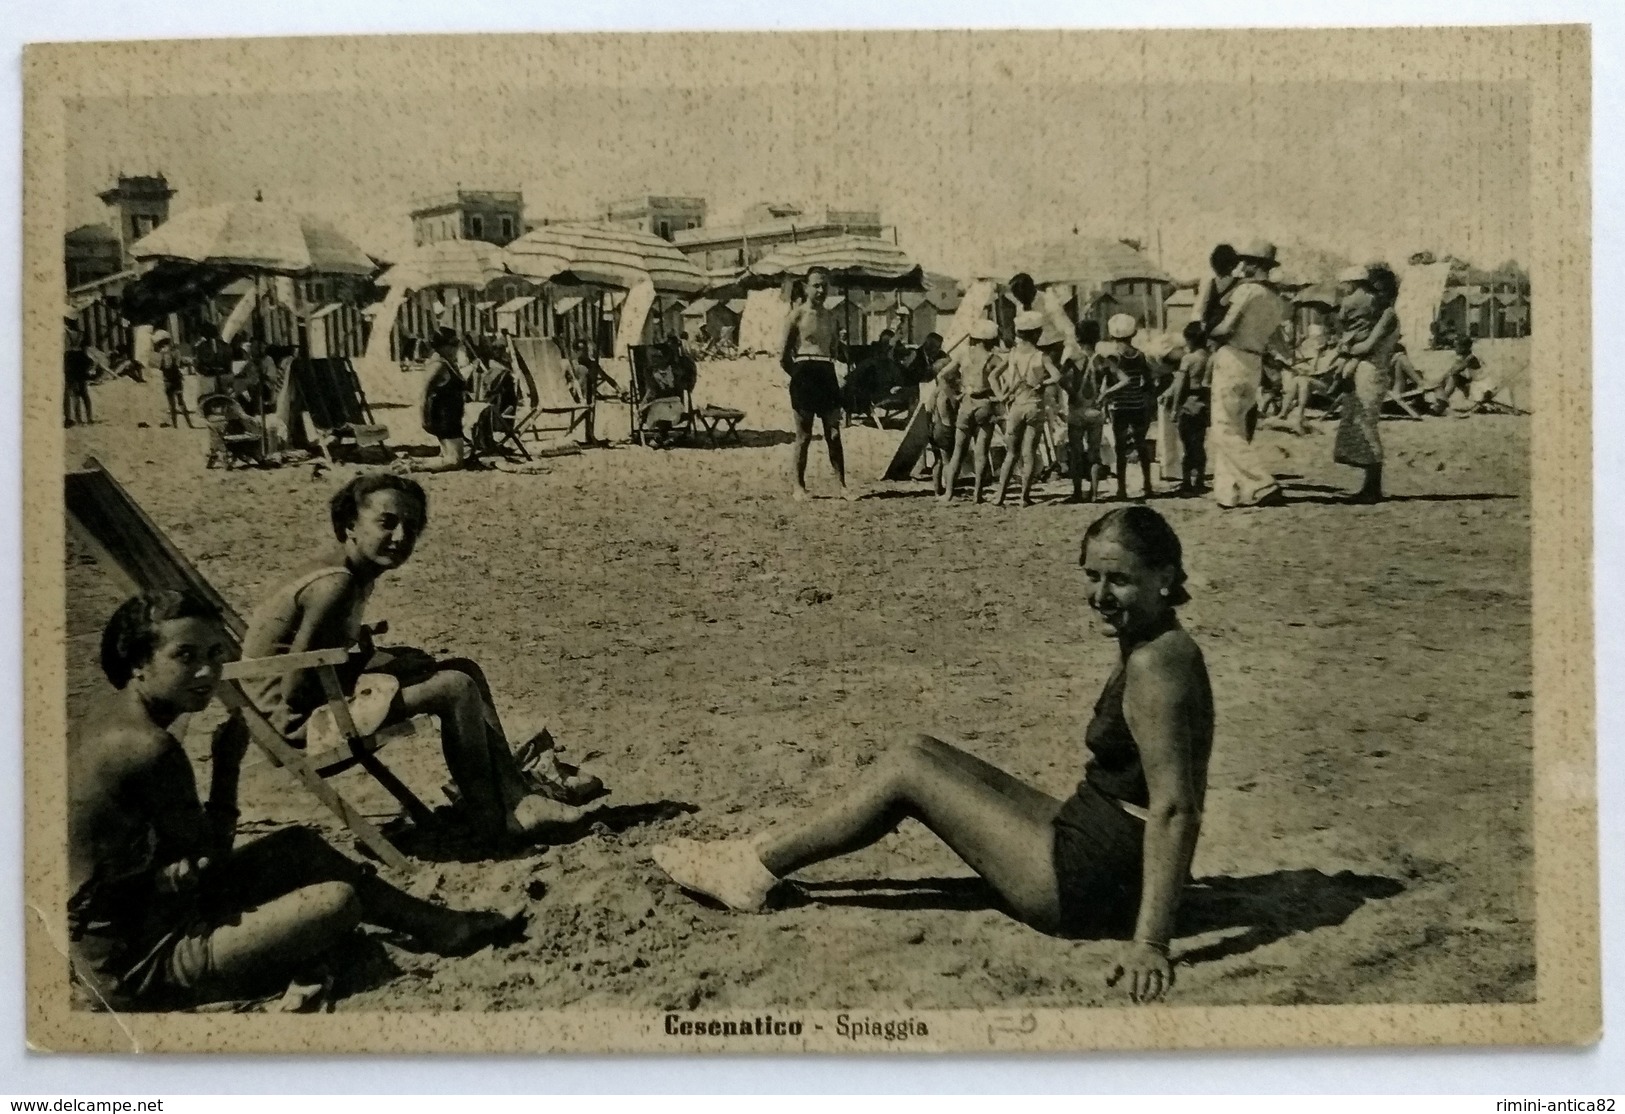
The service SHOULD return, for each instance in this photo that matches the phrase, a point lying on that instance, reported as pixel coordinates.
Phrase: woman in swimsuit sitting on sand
(377, 519)
(1114, 857)
(165, 912)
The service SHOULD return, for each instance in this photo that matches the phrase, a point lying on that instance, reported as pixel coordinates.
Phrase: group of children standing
(980, 386)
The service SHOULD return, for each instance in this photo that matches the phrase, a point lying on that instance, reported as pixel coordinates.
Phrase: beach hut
(720, 318)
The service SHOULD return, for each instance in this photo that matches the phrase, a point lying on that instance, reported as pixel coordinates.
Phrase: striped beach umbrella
(591, 254)
(258, 236)
(853, 263)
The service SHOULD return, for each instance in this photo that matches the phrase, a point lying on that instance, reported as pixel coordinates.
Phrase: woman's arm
(1385, 326)
(322, 607)
(1154, 706)
(1238, 305)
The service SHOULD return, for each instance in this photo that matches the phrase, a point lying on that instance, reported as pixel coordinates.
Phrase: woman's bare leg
(956, 458)
(984, 444)
(999, 825)
(1029, 461)
(300, 896)
(1012, 451)
(478, 758)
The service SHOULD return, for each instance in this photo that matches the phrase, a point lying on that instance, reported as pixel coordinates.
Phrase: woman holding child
(1370, 333)
(1114, 857)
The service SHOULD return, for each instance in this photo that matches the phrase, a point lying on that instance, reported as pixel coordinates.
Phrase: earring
(1162, 592)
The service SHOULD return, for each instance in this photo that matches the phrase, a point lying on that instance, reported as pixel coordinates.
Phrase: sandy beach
(723, 656)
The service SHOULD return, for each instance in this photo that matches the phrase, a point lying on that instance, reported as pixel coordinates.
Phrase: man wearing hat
(169, 367)
(1026, 375)
(443, 399)
(1255, 312)
(978, 407)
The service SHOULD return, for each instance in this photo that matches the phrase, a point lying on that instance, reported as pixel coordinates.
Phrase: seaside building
(496, 216)
(136, 204)
(664, 215)
(767, 226)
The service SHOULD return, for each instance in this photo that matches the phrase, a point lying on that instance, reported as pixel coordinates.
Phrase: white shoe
(728, 871)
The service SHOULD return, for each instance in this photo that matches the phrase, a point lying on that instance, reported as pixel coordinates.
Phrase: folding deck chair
(541, 369)
(234, 437)
(656, 388)
(330, 392)
(132, 547)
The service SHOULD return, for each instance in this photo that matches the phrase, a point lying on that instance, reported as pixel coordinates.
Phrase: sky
(963, 172)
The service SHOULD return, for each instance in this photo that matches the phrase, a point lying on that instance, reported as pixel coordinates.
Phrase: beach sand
(728, 657)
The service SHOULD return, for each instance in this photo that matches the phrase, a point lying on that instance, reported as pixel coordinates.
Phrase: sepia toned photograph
(866, 542)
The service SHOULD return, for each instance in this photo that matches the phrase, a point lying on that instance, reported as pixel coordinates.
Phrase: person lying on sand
(377, 520)
(165, 913)
(1112, 858)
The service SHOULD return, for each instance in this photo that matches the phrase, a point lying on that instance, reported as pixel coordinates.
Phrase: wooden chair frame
(159, 564)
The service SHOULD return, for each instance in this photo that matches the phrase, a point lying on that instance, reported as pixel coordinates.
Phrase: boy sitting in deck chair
(377, 520)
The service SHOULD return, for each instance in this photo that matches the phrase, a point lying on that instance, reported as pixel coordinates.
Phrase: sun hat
(1353, 274)
(1258, 251)
(1121, 326)
(984, 330)
(160, 337)
(1029, 321)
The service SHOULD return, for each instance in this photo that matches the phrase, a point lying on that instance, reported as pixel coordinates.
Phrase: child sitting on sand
(1463, 371)
(377, 520)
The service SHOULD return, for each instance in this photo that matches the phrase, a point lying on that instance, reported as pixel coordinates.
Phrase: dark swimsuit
(1099, 849)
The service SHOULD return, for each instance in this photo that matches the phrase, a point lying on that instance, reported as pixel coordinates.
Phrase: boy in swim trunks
(944, 418)
(807, 355)
(1027, 373)
(975, 364)
(1129, 393)
(1085, 419)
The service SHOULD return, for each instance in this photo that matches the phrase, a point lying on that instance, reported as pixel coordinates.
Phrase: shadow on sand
(1260, 908)
(452, 842)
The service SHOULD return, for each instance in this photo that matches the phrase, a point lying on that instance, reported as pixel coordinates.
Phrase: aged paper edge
(1553, 60)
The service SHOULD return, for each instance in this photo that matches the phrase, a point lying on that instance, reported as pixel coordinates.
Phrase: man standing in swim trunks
(808, 358)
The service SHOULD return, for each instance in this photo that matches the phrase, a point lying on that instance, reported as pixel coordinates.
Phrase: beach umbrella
(256, 236)
(853, 262)
(464, 263)
(604, 255)
(1086, 261)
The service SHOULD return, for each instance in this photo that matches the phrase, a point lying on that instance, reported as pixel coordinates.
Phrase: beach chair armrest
(278, 664)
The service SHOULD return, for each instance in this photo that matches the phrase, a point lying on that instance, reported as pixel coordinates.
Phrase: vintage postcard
(859, 542)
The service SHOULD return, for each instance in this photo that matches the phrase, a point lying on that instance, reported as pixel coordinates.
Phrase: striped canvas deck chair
(133, 548)
(555, 406)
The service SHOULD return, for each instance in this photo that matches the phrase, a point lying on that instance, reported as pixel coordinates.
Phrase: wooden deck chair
(234, 437)
(555, 407)
(132, 547)
(330, 392)
(662, 406)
